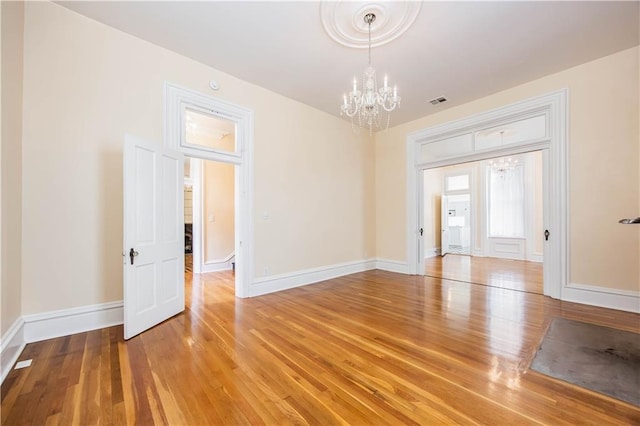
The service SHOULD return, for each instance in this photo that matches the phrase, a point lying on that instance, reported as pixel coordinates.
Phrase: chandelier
(503, 165)
(370, 104)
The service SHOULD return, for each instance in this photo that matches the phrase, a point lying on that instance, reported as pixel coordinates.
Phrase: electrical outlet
(266, 271)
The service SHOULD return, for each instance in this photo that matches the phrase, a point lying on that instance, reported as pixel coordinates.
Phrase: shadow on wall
(109, 241)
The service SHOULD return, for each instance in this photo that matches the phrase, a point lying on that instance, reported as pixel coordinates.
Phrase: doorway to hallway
(209, 196)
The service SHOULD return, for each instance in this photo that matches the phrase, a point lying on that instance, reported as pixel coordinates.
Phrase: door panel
(153, 233)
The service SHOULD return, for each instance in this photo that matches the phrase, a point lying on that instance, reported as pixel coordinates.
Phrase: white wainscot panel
(516, 132)
(447, 148)
(507, 248)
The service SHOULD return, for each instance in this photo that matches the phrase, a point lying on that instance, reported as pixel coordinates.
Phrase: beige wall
(219, 209)
(11, 161)
(603, 158)
(432, 209)
(86, 85)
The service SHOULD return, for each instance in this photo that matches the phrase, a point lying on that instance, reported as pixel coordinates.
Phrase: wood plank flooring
(369, 348)
(502, 273)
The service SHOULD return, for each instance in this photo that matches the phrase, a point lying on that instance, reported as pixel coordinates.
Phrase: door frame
(469, 191)
(176, 98)
(555, 169)
(197, 225)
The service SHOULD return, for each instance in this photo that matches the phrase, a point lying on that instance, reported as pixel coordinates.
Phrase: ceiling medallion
(344, 21)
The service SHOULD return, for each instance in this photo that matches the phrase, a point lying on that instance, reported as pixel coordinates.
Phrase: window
(506, 202)
(458, 183)
(202, 130)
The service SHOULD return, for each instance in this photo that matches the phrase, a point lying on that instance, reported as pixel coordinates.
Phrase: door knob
(132, 254)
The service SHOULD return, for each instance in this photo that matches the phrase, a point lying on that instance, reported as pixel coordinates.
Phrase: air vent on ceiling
(439, 100)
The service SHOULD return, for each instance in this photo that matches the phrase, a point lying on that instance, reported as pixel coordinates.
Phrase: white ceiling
(460, 50)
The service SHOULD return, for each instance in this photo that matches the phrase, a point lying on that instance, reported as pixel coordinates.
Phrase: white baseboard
(49, 325)
(218, 265)
(433, 252)
(623, 300)
(12, 345)
(536, 257)
(280, 282)
(215, 267)
(392, 266)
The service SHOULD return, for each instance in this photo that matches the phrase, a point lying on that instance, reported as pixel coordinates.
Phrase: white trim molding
(623, 300)
(12, 345)
(536, 257)
(218, 264)
(392, 266)
(554, 145)
(49, 325)
(290, 280)
(432, 252)
(176, 99)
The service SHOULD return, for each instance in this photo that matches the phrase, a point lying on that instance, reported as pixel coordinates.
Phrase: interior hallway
(369, 348)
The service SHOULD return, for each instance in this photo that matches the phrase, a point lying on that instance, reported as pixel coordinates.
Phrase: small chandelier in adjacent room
(502, 165)
(370, 104)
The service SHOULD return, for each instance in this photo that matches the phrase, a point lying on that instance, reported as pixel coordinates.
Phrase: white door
(153, 235)
(444, 239)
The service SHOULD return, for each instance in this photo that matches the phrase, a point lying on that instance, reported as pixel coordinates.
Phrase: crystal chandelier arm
(349, 112)
(391, 106)
(389, 103)
(352, 104)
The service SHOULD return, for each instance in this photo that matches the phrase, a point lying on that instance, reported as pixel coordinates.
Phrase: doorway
(232, 144)
(456, 224)
(209, 216)
(483, 222)
(538, 123)
(209, 196)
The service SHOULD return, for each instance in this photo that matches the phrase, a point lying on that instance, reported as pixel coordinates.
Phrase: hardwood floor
(502, 273)
(369, 348)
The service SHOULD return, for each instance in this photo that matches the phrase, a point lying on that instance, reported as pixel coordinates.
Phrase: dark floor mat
(599, 358)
